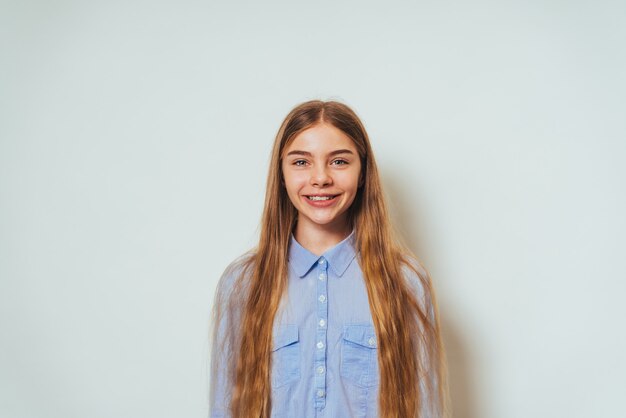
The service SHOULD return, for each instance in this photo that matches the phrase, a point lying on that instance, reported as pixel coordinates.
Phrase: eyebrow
(339, 151)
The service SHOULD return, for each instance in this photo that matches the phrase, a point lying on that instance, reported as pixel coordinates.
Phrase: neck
(317, 239)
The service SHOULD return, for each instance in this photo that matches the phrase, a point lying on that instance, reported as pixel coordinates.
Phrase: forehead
(321, 138)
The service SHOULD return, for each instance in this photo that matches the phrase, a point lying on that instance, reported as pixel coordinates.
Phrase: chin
(324, 221)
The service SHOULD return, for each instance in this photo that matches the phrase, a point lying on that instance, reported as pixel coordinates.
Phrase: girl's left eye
(341, 161)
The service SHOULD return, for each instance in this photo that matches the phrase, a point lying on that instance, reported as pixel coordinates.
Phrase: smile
(321, 197)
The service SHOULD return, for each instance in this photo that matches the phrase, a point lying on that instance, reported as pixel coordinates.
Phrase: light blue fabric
(324, 354)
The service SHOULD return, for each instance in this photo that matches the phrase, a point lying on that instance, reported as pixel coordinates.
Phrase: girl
(330, 315)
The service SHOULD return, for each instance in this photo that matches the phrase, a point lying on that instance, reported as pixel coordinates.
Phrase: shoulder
(415, 273)
(232, 280)
(418, 280)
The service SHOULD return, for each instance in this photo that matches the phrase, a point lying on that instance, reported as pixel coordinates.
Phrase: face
(321, 168)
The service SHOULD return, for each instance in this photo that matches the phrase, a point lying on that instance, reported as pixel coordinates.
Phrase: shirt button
(322, 322)
(323, 276)
(320, 393)
(320, 369)
(320, 345)
(322, 261)
(322, 298)
(371, 341)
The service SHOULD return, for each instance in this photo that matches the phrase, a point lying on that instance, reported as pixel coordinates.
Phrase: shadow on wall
(407, 218)
(460, 381)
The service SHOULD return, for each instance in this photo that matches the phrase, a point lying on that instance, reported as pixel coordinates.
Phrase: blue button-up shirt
(324, 354)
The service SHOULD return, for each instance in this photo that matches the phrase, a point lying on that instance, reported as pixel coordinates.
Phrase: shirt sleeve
(427, 350)
(226, 315)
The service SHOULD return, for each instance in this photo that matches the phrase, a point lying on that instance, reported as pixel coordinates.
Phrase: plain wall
(134, 145)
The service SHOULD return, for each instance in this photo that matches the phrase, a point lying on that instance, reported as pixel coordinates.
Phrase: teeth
(320, 197)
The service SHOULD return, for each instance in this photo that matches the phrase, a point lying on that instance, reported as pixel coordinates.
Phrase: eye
(343, 162)
(299, 161)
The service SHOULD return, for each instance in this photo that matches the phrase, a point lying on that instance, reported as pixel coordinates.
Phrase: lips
(322, 200)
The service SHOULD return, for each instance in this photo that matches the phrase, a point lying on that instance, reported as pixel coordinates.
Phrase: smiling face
(321, 168)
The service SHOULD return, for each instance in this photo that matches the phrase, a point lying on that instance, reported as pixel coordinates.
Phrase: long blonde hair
(410, 355)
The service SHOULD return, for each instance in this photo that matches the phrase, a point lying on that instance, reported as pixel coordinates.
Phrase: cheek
(294, 181)
(293, 188)
(351, 180)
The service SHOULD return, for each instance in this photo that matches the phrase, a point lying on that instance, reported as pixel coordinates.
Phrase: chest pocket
(359, 355)
(285, 355)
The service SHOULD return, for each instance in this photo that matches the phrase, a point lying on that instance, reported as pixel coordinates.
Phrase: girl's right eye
(298, 161)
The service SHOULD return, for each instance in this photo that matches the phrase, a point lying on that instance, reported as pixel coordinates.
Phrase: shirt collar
(339, 257)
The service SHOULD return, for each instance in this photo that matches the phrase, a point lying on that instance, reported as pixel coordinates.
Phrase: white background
(134, 146)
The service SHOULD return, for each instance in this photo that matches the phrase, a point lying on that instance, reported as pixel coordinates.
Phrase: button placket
(322, 319)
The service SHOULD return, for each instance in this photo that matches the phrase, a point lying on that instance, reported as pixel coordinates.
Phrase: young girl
(330, 315)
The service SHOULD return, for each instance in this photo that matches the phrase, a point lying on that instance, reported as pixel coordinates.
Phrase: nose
(320, 176)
